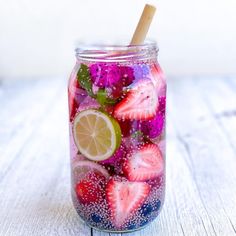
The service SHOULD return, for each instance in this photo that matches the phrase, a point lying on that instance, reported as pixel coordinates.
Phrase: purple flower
(141, 71)
(116, 157)
(105, 75)
(153, 128)
(138, 72)
(127, 75)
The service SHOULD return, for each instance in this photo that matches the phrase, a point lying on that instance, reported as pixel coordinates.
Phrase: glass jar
(117, 101)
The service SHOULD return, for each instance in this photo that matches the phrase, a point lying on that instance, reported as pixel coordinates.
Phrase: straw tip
(143, 25)
(150, 6)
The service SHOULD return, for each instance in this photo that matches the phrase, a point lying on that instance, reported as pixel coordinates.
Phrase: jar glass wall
(117, 103)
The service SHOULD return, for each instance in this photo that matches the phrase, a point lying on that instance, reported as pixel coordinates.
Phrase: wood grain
(210, 158)
(201, 161)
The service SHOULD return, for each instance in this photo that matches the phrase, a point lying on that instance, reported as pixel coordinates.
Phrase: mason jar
(117, 103)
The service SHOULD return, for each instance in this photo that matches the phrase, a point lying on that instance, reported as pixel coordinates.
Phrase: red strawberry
(76, 96)
(159, 79)
(143, 164)
(71, 98)
(141, 102)
(90, 189)
(72, 107)
(124, 198)
(125, 127)
(158, 182)
(162, 105)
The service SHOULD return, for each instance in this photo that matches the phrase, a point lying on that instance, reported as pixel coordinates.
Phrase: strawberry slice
(141, 102)
(124, 199)
(159, 80)
(75, 95)
(73, 105)
(143, 164)
(91, 189)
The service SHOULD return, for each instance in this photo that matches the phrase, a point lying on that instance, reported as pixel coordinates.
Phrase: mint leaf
(103, 98)
(137, 134)
(110, 101)
(84, 79)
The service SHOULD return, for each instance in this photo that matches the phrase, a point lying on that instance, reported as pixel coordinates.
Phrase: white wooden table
(201, 160)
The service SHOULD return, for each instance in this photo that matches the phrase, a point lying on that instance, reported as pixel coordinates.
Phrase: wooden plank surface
(201, 160)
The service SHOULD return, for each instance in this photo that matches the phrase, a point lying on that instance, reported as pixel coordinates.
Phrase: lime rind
(90, 166)
(117, 132)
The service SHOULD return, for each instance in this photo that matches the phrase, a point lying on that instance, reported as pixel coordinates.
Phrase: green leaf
(137, 134)
(84, 79)
(103, 98)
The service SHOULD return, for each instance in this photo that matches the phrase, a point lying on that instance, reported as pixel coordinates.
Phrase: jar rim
(117, 52)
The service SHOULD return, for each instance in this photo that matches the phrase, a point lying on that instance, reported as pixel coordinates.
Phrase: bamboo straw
(143, 25)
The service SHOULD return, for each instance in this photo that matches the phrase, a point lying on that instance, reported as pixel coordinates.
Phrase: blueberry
(107, 226)
(146, 209)
(143, 222)
(157, 205)
(132, 225)
(96, 218)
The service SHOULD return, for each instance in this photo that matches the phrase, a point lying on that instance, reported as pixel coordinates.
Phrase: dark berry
(96, 218)
(144, 222)
(146, 209)
(107, 225)
(132, 225)
(157, 205)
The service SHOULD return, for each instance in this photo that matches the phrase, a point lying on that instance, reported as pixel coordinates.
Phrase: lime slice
(82, 168)
(97, 135)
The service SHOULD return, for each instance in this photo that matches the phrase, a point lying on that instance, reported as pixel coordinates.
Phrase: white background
(37, 37)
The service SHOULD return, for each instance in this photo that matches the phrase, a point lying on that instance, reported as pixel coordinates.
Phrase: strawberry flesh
(159, 80)
(76, 96)
(91, 188)
(124, 199)
(141, 103)
(162, 105)
(144, 164)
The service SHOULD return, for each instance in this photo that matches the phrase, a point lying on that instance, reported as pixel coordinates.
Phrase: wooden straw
(143, 25)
